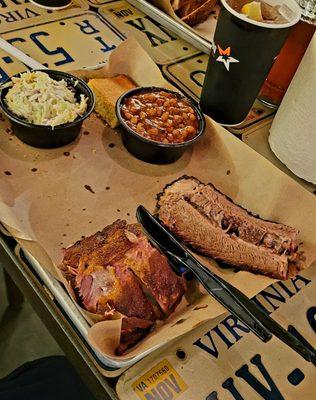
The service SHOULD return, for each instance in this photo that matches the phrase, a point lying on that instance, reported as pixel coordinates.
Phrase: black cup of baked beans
(158, 124)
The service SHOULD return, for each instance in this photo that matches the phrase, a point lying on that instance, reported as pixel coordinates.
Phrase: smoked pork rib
(212, 224)
(117, 269)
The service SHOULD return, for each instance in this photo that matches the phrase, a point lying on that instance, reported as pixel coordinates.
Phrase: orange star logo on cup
(225, 57)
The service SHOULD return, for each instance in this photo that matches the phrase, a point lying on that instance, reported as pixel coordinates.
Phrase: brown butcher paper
(51, 198)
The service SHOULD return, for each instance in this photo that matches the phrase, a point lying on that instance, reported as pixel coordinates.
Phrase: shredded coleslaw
(41, 100)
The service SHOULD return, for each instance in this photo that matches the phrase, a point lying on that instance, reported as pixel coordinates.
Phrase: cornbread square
(107, 91)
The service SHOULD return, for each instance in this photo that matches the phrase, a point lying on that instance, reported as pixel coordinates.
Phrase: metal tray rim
(179, 29)
(63, 299)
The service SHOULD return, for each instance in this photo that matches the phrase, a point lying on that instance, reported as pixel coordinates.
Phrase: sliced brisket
(212, 224)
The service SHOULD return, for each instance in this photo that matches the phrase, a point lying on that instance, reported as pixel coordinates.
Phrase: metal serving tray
(174, 26)
(66, 303)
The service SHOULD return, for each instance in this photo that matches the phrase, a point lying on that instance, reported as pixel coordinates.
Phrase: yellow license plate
(69, 43)
(188, 73)
(20, 14)
(98, 3)
(162, 45)
(161, 382)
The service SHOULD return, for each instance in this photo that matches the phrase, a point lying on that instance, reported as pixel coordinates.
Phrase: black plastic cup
(242, 55)
(44, 136)
(151, 151)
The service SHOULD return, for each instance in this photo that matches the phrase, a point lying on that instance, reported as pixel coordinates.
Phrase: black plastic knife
(231, 298)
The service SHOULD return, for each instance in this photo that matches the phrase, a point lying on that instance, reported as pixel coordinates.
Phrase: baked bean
(127, 115)
(184, 135)
(134, 119)
(165, 116)
(140, 125)
(151, 112)
(152, 97)
(134, 110)
(152, 131)
(173, 110)
(178, 119)
(140, 129)
(169, 122)
(142, 115)
(190, 130)
(160, 116)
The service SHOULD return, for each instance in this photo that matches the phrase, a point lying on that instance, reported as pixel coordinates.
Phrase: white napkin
(293, 132)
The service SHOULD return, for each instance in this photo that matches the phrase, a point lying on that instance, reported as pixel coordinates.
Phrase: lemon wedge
(252, 10)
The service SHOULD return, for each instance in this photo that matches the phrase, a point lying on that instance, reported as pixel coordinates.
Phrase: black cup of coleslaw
(43, 136)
